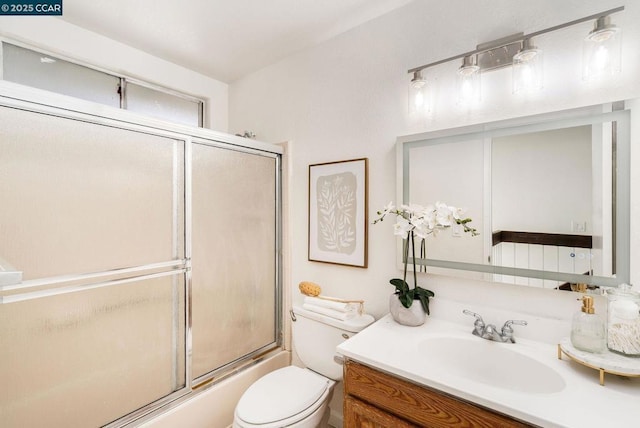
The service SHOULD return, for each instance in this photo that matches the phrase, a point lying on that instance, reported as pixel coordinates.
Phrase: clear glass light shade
(527, 71)
(468, 85)
(601, 52)
(419, 101)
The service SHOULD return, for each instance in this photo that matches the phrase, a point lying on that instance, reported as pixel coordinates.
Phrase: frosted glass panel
(32, 68)
(79, 197)
(87, 358)
(162, 105)
(234, 271)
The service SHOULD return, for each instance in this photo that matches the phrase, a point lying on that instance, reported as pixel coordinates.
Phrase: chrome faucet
(490, 332)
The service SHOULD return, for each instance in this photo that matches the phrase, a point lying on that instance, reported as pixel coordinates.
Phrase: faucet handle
(473, 314)
(507, 330)
(478, 324)
(507, 325)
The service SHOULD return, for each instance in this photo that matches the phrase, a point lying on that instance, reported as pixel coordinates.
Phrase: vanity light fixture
(468, 82)
(419, 99)
(601, 54)
(527, 68)
(601, 57)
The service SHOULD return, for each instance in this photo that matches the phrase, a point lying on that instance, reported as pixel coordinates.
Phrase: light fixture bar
(577, 21)
(492, 45)
(503, 41)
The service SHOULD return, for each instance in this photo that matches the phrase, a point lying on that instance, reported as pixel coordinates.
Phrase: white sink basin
(490, 363)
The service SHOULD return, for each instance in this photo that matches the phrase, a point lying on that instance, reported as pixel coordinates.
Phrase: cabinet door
(358, 414)
(423, 406)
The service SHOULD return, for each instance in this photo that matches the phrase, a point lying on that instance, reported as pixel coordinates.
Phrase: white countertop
(582, 403)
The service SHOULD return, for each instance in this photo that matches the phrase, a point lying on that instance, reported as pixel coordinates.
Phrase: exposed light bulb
(419, 100)
(600, 59)
(466, 90)
(468, 83)
(601, 53)
(527, 69)
(418, 96)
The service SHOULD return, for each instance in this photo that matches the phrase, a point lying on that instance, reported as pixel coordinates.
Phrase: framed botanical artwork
(338, 212)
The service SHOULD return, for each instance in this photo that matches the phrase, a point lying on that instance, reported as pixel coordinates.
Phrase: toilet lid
(280, 394)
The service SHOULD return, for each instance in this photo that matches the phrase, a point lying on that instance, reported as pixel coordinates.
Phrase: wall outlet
(578, 226)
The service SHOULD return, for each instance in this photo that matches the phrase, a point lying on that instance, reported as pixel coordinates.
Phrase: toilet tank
(316, 336)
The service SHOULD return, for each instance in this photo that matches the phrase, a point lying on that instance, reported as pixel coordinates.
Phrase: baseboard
(335, 420)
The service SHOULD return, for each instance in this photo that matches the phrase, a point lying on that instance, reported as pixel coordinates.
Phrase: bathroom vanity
(439, 375)
(374, 398)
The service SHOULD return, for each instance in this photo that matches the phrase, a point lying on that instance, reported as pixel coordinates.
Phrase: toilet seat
(283, 397)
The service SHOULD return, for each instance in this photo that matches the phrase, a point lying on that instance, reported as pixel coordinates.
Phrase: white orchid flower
(444, 216)
(429, 208)
(417, 222)
(402, 227)
(388, 208)
(405, 211)
(416, 210)
(425, 220)
(458, 213)
(429, 217)
(423, 230)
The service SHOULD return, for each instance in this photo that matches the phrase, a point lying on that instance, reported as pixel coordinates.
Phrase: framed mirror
(549, 195)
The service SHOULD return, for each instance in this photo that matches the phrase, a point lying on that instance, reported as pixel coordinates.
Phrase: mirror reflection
(549, 195)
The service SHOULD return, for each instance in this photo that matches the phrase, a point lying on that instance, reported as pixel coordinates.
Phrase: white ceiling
(223, 39)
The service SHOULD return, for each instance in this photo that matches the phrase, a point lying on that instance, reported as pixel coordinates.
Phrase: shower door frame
(42, 102)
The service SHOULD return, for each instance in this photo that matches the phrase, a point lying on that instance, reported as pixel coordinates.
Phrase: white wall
(70, 41)
(347, 99)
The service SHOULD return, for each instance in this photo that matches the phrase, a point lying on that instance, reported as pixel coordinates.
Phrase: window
(44, 71)
(163, 105)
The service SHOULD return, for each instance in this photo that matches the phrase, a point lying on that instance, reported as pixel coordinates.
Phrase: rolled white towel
(332, 313)
(336, 306)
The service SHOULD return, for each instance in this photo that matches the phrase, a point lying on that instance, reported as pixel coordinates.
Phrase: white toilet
(296, 397)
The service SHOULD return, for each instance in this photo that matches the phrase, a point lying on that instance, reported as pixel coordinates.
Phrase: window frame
(123, 78)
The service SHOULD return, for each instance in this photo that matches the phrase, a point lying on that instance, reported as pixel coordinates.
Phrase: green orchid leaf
(400, 284)
(424, 300)
(406, 299)
(423, 291)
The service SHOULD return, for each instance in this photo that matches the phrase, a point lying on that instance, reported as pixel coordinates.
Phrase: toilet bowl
(288, 397)
(299, 397)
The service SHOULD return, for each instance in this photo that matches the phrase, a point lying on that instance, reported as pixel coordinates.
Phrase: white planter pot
(412, 316)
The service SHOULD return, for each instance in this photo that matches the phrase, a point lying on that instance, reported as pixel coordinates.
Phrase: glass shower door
(234, 255)
(92, 215)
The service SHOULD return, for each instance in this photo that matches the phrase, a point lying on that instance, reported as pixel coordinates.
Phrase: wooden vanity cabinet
(373, 399)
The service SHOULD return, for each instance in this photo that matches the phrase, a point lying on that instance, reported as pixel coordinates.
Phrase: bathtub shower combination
(149, 256)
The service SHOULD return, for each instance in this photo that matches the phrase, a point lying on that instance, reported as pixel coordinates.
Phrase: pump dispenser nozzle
(587, 305)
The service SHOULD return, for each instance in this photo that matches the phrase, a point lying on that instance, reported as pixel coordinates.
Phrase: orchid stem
(413, 251)
(406, 259)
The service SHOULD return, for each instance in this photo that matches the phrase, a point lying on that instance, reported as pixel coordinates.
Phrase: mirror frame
(542, 122)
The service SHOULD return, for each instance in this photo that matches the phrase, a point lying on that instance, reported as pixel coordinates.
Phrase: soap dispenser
(587, 329)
